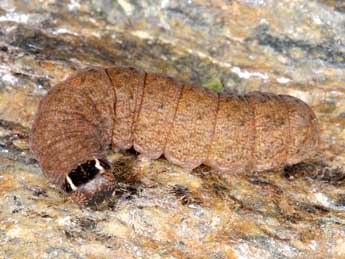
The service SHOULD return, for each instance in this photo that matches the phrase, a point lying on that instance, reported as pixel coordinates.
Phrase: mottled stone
(294, 47)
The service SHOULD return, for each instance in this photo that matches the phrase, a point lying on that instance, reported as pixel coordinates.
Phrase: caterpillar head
(90, 182)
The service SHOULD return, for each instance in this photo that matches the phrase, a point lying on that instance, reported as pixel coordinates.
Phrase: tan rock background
(289, 46)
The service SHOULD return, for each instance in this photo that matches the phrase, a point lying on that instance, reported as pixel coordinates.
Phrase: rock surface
(295, 47)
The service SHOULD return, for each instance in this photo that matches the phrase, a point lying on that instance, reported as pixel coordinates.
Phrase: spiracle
(122, 107)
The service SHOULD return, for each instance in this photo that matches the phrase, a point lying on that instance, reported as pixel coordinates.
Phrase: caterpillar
(123, 107)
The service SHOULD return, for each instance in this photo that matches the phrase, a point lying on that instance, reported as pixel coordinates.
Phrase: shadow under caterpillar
(123, 107)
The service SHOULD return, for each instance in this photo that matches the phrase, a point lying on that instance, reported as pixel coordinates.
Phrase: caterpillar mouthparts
(90, 182)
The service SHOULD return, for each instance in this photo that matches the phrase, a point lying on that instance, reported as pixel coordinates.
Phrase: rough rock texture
(294, 47)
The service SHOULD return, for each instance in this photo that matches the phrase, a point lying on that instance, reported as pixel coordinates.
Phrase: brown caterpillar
(80, 117)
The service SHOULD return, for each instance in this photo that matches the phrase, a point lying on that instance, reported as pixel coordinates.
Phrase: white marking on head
(69, 180)
(99, 167)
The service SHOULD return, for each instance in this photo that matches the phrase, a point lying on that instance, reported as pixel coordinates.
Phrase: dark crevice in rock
(7, 142)
(317, 171)
(48, 47)
(183, 194)
(15, 127)
(326, 52)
